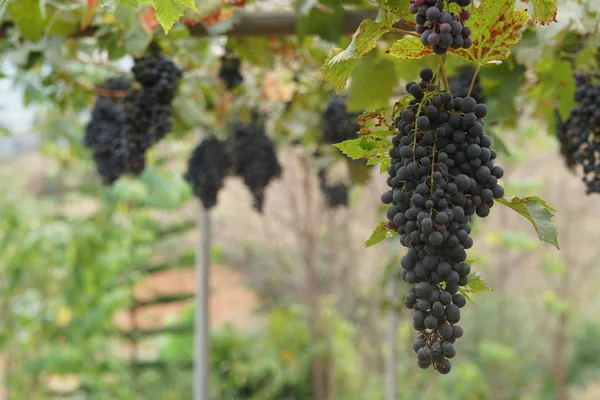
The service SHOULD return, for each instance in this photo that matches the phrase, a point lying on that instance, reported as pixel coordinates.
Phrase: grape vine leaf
(496, 26)
(475, 285)
(409, 47)
(555, 89)
(27, 16)
(544, 11)
(381, 233)
(168, 12)
(373, 143)
(339, 64)
(378, 92)
(539, 213)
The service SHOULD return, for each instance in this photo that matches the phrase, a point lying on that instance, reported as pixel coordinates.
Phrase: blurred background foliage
(95, 281)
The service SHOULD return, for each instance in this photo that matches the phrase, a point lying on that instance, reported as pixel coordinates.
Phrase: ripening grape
(441, 29)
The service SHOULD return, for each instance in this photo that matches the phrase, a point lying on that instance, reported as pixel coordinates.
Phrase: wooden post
(202, 320)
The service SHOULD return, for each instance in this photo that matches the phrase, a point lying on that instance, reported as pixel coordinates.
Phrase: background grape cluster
(336, 194)
(461, 82)
(441, 174)
(126, 120)
(105, 133)
(440, 28)
(208, 166)
(579, 134)
(338, 124)
(229, 71)
(253, 158)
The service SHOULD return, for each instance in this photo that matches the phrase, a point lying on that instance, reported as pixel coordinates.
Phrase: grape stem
(411, 33)
(443, 73)
(473, 80)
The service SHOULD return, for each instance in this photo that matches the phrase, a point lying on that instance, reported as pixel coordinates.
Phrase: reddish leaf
(92, 6)
(149, 21)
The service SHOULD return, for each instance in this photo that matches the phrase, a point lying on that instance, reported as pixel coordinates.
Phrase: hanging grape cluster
(229, 71)
(126, 121)
(442, 173)
(579, 134)
(149, 110)
(105, 133)
(338, 124)
(207, 168)
(335, 194)
(253, 158)
(461, 82)
(440, 28)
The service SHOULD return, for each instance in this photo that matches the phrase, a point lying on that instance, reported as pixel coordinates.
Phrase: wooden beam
(261, 23)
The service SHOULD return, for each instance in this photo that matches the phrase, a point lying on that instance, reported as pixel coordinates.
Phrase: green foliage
(339, 64)
(27, 15)
(325, 23)
(476, 285)
(380, 89)
(556, 88)
(168, 12)
(539, 213)
(373, 144)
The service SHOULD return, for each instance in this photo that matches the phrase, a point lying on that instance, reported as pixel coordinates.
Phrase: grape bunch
(149, 109)
(336, 194)
(253, 158)
(338, 124)
(579, 134)
(229, 71)
(105, 132)
(442, 29)
(441, 174)
(207, 168)
(461, 82)
(127, 121)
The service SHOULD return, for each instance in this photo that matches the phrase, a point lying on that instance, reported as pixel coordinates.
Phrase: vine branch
(473, 80)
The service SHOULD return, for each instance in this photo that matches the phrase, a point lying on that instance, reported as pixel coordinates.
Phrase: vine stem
(443, 73)
(473, 80)
(411, 33)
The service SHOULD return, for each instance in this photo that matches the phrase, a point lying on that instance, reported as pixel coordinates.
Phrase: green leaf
(409, 47)
(381, 233)
(475, 285)
(539, 213)
(555, 87)
(168, 12)
(27, 16)
(544, 11)
(496, 26)
(340, 63)
(375, 128)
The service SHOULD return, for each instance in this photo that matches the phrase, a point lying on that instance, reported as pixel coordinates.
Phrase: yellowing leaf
(409, 47)
(496, 26)
(544, 11)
